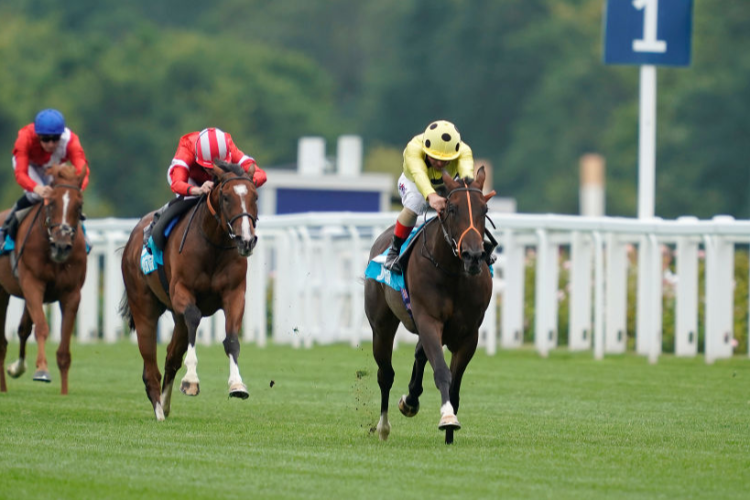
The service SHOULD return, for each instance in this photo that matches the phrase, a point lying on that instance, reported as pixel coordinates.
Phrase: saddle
(157, 233)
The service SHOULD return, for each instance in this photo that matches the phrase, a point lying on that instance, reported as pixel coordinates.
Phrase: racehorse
(205, 271)
(49, 260)
(449, 284)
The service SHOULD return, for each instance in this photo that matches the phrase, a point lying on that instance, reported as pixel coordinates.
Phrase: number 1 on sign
(649, 42)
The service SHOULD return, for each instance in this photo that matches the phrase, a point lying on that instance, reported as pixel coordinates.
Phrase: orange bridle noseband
(457, 245)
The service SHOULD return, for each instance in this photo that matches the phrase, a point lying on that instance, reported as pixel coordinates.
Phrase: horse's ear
(480, 177)
(220, 170)
(251, 169)
(54, 170)
(450, 184)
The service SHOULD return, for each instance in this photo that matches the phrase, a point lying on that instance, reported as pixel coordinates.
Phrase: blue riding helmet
(49, 122)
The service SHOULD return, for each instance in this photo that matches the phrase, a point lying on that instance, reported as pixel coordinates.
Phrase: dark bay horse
(450, 286)
(204, 275)
(50, 260)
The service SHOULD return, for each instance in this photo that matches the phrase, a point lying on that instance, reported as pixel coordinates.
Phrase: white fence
(312, 266)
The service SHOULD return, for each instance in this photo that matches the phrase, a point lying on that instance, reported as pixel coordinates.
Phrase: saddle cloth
(151, 257)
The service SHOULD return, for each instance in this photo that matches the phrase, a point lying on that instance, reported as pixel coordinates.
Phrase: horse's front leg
(33, 294)
(409, 404)
(175, 351)
(69, 309)
(18, 367)
(4, 299)
(459, 362)
(234, 309)
(185, 310)
(431, 334)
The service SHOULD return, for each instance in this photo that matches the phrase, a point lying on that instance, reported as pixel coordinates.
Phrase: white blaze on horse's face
(241, 191)
(66, 204)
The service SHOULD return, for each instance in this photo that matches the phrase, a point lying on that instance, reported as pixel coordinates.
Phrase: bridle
(220, 213)
(456, 245)
(65, 229)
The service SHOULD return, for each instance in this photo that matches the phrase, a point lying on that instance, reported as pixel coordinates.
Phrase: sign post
(648, 33)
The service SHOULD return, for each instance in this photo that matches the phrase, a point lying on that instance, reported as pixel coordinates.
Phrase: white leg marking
(447, 409)
(159, 412)
(166, 398)
(384, 427)
(191, 363)
(234, 372)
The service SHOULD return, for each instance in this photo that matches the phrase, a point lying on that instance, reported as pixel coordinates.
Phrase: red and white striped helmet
(212, 144)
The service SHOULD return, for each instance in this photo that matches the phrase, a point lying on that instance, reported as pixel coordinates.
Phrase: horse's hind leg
(459, 361)
(409, 404)
(145, 318)
(4, 299)
(18, 367)
(384, 325)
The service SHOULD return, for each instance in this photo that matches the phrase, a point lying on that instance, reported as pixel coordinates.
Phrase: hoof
(42, 376)
(238, 391)
(406, 409)
(17, 368)
(449, 422)
(190, 388)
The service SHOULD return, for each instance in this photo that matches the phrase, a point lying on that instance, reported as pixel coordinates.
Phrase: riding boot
(11, 223)
(391, 260)
(149, 229)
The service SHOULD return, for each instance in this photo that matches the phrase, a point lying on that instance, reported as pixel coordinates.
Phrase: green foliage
(523, 80)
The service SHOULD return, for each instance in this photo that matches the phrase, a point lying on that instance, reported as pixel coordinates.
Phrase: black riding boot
(391, 260)
(11, 223)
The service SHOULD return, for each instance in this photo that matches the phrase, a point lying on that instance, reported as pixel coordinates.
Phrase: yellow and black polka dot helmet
(441, 140)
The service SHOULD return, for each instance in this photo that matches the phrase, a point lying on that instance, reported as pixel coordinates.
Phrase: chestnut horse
(49, 260)
(450, 285)
(205, 267)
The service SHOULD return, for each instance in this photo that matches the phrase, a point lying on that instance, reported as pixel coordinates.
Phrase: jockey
(426, 156)
(189, 174)
(40, 145)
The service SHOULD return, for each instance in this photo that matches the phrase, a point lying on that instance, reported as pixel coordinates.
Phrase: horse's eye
(452, 209)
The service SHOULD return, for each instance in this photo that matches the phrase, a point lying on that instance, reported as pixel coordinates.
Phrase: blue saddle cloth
(151, 257)
(376, 267)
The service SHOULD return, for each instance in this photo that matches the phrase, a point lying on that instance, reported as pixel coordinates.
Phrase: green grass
(563, 427)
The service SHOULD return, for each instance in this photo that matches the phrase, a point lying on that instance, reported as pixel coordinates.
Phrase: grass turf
(562, 427)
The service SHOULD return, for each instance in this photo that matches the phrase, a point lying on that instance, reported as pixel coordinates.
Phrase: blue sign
(654, 32)
(296, 200)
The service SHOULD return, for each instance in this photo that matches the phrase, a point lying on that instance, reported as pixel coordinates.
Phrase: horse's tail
(125, 311)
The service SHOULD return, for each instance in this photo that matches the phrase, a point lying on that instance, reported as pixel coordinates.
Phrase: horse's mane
(232, 167)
